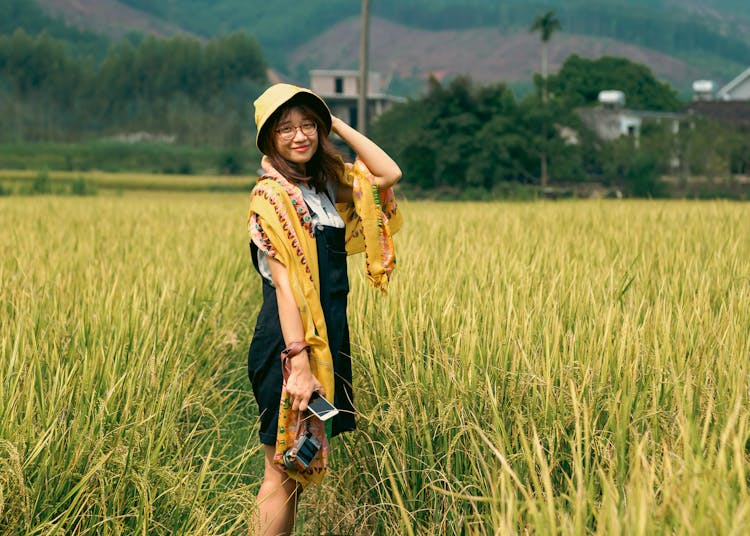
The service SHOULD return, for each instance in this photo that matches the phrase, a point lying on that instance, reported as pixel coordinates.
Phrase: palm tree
(546, 25)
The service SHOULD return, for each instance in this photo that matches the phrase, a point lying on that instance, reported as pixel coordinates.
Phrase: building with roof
(611, 119)
(734, 113)
(340, 89)
(736, 90)
(730, 105)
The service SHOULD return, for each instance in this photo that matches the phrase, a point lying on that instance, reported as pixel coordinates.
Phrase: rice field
(575, 367)
(18, 179)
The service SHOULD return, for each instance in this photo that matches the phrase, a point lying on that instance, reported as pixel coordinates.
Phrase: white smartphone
(321, 408)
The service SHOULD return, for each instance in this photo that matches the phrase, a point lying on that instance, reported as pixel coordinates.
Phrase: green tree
(636, 171)
(546, 24)
(403, 132)
(544, 124)
(461, 137)
(580, 80)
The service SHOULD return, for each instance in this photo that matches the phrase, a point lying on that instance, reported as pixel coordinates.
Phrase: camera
(300, 456)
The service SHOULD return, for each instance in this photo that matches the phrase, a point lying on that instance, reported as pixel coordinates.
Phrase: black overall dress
(264, 361)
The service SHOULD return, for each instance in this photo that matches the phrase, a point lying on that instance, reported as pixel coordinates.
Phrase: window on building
(339, 84)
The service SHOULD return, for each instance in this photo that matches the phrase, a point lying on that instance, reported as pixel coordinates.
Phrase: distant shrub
(231, 163)
(41, 184)
(81, 186)
(514, 191)
(642, 176)
(185, 168)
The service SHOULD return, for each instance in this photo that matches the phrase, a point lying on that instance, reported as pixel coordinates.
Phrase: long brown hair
(325, 165)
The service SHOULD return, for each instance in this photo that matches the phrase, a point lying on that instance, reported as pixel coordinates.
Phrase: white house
(611, 119)
(738, 89)
(609, 124)
(340, 89)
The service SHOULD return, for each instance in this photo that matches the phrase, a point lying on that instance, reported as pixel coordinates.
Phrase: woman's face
(301, 147)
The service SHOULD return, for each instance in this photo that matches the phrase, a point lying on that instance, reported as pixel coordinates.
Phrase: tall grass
(572, 368)
(123, 401)
(556, 368)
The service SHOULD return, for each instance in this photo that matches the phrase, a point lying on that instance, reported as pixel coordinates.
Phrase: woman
(306, 213)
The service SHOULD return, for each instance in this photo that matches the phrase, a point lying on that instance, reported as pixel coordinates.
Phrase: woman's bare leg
(277, 500)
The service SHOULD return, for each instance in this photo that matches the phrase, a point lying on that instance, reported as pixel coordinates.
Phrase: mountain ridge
(460, 51)
(485, 55)
(110, 17)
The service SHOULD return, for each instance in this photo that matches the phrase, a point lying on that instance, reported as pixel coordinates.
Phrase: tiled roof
(735, 113)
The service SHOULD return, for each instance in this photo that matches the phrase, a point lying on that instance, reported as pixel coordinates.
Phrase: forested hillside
(27, 15)
(191, 91)
(664, 25)
(588, 16)
(710, 38)
(410, 55)
(110, 17)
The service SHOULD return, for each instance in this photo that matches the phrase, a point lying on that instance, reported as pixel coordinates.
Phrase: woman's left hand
(302, 382)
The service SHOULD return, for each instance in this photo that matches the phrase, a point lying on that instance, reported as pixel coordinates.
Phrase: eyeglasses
(287, 132)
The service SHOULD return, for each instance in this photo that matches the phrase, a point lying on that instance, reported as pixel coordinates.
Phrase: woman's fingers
(300, 390)
(316, 387)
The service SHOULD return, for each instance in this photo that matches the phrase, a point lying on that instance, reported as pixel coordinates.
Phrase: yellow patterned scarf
(281, 226)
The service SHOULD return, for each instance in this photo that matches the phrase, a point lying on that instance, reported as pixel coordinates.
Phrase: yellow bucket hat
(279, 94)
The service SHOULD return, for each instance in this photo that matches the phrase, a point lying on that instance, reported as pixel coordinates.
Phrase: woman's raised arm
(385, 171)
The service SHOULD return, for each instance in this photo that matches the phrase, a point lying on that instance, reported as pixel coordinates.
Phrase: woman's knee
(274, 477)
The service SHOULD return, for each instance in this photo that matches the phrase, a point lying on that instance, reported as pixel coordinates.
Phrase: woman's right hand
(301, 382)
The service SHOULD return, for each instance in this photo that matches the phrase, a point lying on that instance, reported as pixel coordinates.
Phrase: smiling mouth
(301, 148)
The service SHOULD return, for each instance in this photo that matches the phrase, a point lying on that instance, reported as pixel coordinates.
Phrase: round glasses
(287, 132)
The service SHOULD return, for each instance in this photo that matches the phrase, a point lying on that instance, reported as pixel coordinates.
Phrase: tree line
(199, 91)
(478, 141)
(471, 140)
